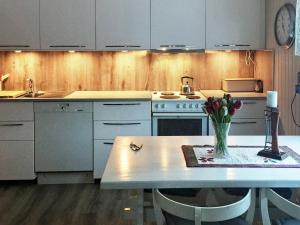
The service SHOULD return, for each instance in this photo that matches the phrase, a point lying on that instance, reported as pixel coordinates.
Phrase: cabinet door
(235, 24)
(19, 24)
(17, 160)
(123, 24)
(177, 24)
(67, 24)
(102, 150)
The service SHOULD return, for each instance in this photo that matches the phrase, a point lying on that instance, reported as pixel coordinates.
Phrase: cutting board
(11, 94)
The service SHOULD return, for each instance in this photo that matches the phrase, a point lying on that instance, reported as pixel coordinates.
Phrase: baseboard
(65, 178)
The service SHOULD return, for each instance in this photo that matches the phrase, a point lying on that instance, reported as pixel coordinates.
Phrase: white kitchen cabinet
(111, 129)
(67, 24)
(16, 141)
(19, 24)
(235, 24)
(122, 110)
(252, 109)
(102, 150)
(249, 120)
(117, 118)
(177, 24)
(16, 111)
(122, 24)
(17, 160)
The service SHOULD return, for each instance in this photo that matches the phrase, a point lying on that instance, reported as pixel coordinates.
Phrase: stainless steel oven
(179, 124)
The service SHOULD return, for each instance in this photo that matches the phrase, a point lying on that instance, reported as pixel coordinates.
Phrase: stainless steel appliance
(63, 136)
(178, 115)
(187, 85)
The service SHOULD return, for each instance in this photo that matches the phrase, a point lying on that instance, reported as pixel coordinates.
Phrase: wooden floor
(84, 204)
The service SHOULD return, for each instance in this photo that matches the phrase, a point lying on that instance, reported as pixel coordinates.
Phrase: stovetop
(177, 102)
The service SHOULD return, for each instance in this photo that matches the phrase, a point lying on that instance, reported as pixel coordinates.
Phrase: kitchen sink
(42, 94)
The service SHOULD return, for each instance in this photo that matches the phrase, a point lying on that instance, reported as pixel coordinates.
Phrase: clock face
(285, 25)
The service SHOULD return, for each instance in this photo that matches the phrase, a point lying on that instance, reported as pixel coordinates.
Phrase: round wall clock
(284, 27)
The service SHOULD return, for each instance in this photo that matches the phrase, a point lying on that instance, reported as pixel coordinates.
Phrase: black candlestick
(271, 149)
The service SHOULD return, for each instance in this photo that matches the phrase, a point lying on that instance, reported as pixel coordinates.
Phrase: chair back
(206, 214)
(280, 202)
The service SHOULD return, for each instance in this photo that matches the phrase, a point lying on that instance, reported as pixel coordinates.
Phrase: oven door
(179, 124)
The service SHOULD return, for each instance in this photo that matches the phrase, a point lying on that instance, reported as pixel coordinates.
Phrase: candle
(272, 99)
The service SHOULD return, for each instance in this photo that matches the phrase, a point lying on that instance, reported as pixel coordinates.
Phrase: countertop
(240, 95)
(161, 164)
(85, 96)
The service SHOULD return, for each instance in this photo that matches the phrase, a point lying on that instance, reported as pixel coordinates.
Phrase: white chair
(177, 213)
(281, 203)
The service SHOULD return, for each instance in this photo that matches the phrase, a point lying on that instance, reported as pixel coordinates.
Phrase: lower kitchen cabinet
(117, 118)
(111, 129)
(247, 127)
(16, 141)
(243, 127)
(17, 160)
(102, 150)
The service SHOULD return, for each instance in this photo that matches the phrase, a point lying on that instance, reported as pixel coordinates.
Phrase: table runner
(239, 157)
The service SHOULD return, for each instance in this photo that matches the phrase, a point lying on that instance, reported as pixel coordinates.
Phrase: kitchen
(77, 74)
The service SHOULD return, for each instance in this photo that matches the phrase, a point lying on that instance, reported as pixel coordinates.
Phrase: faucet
(30, 89)
(2, 79)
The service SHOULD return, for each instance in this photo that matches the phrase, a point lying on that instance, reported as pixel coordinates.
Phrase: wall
(143, 70)
(286, 66)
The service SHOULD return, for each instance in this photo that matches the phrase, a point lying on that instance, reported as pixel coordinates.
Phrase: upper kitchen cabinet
(235, 24)
(19, 24)
(122, 24)
(177, 24)
(67, 24)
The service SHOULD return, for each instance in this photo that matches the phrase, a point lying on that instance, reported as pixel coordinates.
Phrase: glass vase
(221, 137)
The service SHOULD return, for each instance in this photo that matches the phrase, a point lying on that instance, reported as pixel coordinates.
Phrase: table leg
(139, 214)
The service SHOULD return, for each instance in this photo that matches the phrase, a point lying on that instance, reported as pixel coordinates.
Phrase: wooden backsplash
(139, 70)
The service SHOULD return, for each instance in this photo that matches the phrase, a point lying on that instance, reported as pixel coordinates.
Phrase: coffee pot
(187, 85)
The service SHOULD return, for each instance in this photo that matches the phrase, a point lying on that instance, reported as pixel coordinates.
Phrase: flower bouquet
(221, 110)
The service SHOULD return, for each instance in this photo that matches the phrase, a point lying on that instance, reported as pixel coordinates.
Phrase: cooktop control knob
(191, 106)
(184, 106)
(162, 106)
(156, 106)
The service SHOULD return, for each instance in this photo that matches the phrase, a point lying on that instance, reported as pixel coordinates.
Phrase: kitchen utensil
(259, 87)
(187, 85)
(135, 147)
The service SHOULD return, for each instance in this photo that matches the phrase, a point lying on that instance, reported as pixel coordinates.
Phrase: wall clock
(284, 27)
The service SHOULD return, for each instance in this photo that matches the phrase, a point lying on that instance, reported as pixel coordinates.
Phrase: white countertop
(110, 95)
(242, 95)
(161, 164)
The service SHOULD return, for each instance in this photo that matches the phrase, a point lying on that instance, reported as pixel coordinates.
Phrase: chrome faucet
(30, 89)
(2, 79)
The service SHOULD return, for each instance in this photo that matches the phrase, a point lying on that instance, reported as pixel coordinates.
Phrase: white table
(161, 164)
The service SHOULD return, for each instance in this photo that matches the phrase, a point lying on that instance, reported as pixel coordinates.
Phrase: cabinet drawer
(102, 150)
(244, 127)
(17, 160)
(16, 131)
(252, 109)
(130, 110)
(16, 111)
(111, 129)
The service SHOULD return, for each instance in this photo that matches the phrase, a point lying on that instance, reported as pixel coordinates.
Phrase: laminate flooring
(80, 204)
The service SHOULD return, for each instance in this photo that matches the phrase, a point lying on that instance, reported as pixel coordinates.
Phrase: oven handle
(179, 115)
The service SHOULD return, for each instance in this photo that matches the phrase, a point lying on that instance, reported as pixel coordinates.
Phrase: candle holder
(271, 149)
